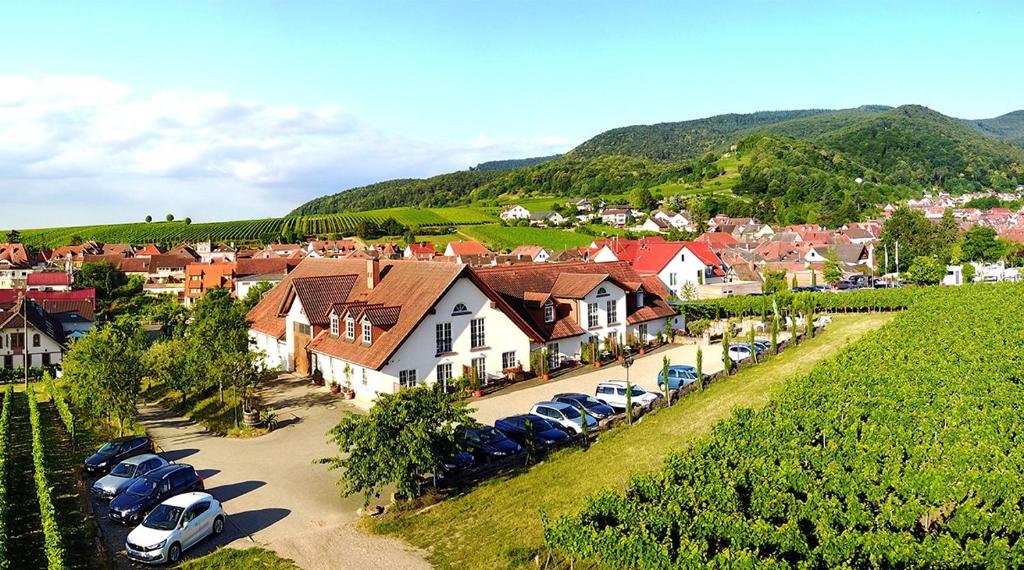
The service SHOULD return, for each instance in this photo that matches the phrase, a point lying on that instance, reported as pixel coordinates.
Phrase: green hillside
(513, 163)
(441, 190)
(1008, 127)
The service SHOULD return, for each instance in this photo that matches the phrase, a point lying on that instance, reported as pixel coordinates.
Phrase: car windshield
(123, 470)
(142, 488)
(590, 402)
(490, 435)
(109, 448)
(540, 424)
(570, 412)
(637, 391)
(163, 517)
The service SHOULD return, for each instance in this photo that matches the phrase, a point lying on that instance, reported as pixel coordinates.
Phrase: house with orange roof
(422, 251)
(458, 250)
(15, 265)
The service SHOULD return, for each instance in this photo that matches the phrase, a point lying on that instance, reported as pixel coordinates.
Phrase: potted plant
(335, 387)
(318, 377)
(474, 383)
(347, 389)
(595, 354)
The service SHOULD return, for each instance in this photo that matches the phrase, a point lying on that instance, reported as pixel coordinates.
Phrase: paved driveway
(644, 372)
(273, 492)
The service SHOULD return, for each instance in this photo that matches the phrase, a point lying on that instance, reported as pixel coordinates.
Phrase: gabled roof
(13, 255)
(12, 317)
(318, 294)
(275, 266)
(717, 240)
(705, 255)
(49, 278)
(651, 259)
(576, 285)
(461, 248)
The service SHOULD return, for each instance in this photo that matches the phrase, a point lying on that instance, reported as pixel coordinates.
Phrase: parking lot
(272, 491)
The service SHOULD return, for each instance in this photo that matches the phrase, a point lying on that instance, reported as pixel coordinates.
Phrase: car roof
(128, 438)
(616, 383)
(555, 405)
(185, 500)
(571, 395)
(140, 458)
(166, 469)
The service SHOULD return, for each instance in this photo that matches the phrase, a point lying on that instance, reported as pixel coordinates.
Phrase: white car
(174, 526)
(614, 394)
(738, 352)
(564, 415)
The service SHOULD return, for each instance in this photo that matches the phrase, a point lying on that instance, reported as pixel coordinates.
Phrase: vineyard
(829, 302)
(901, 451)
(263, 230)
(41, 520)
(500, 237)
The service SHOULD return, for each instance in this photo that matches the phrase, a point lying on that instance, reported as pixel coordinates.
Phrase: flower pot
(478, 393)
(621, 357)
(335, 389)
(251, 418)
(350, 394)
(546, 377)
(597, 364)
(643, 351)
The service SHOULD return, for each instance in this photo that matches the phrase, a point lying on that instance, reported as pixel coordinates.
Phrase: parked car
(545, 433)
(565, 415)
(762, 345)
(116, 451)
(174, 526)
(738, 352)
(456, 463)
(679, 376)
(124, 474)
(488, 443)
(590, 404)
(614, 394)
(157, 485)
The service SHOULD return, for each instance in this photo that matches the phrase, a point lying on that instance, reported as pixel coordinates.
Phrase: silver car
(124, 474)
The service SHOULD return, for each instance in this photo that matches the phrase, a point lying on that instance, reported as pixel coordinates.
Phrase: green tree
(915, 234)
(774, 282)
(700, 368)
(641, 199)
(170, 217)
(14, 236)
(149, 219)
(403, 437)
(969, 273)
(980, 243)
(255, 295)
(104, 277)
(188, 221)
(664, 379)
(218, 330)
(726, 339)
(104, 371)
(832, 272)
(926, 271)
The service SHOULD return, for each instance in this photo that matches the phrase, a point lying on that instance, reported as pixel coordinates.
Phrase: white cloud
(81, 150)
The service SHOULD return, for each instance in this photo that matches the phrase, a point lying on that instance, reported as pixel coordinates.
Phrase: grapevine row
(5, 436)
(53, 543)
(829, 302)
(900, 452)
(63, 410)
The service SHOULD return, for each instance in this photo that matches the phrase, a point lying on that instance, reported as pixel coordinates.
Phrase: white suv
(174, 526)
(614, 394)
(564, 415)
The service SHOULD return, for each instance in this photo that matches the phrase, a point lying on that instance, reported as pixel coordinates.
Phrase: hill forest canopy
(798, 166)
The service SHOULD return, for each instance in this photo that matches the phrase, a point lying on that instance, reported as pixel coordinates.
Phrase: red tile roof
(651, 259)
(49, 278)
(461, 248)
(13, 255)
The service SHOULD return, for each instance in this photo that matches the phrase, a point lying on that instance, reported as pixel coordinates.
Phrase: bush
(66, 417)
(52, 541)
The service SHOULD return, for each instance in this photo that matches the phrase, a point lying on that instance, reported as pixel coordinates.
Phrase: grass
(206, 409)
(498, 237)
(721, 185)
(499, 523)
(254, 558)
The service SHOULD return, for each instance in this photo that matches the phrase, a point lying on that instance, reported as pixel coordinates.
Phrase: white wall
(46, 345)
(686, 266)
(242, 286)
(614, 293)
(276, 352)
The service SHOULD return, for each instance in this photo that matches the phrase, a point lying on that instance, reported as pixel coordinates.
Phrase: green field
(499, 523)
(498, 237)
(253, 230)
(721, 185)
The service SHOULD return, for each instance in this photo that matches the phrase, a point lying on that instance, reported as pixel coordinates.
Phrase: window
(460, 309)
(407, 378)
(335, 326)
(480, 366)
(350, 328)
(443, 337)
(640, 298)
(367, 332)
(549, 312)
(611, 310)
(592, 321)
(602, 292)
(673, 279)
(444, 373)
(476, 333)
(508, 360)
(682, 257)
(642, 332)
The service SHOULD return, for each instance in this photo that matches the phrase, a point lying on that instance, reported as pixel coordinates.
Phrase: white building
(515, 212)
(44, 341)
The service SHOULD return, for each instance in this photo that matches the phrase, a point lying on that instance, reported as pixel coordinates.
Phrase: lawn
(254, 558)
(499, 237)
(498, 524)
(206, 408)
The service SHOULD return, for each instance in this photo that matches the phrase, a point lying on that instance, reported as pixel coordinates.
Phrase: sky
(110, 111)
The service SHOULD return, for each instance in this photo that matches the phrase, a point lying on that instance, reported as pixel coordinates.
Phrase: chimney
(372, 272)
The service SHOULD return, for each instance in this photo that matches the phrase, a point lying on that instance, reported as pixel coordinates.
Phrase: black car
(456, 463)
(132, 505)
(116, 451)
(589, 404)
(545, 433)
(487, 443)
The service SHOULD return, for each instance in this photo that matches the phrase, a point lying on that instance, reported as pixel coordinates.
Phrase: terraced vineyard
(500, 237)
(900, 452)
(262, 230)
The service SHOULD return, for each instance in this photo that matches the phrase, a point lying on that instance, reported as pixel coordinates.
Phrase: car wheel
(218, 526)
(174, 554)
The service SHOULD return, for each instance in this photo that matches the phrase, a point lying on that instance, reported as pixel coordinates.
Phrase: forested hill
(1009, 127)
(513, 163)
(440, 190)
(687, 140)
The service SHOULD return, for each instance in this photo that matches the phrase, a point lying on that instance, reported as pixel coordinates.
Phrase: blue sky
(221, 110)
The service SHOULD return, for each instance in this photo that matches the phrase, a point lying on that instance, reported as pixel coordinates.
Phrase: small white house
(515, 212)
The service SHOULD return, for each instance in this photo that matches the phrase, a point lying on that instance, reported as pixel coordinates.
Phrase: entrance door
(302, 334)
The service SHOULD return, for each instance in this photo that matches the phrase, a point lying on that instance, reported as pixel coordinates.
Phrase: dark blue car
(589, 404)
(116, 451)
(131, 506)
(545, 433)
(487, 443)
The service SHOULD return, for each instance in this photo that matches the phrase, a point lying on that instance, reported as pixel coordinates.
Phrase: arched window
(602, 292)
(460, 309)
(549, 312)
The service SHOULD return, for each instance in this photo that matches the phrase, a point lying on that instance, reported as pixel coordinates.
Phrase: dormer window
(549, 312)
(350, 328)
(640, 298)
(335, 326)
(367, 332)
